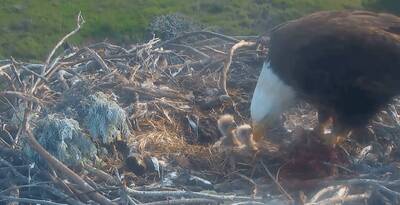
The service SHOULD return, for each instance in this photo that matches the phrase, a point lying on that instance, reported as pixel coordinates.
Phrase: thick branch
(65, 170)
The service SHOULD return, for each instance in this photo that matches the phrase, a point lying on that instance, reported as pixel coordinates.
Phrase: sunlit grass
(30, 28)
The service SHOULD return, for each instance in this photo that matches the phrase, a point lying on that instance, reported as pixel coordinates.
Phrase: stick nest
(160, 101)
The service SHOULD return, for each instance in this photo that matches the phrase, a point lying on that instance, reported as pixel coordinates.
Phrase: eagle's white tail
(271, 95)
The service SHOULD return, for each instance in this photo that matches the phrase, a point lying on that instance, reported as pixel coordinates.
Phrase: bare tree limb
(46, 69)
(324, 191)
(79, 22)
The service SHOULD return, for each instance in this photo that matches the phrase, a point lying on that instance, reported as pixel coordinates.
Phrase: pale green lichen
(104, 119)
(64, 139)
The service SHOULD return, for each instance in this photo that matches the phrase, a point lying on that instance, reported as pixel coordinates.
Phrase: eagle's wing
(348, 62)
(379, 21)
(355, 22)
(329, 51)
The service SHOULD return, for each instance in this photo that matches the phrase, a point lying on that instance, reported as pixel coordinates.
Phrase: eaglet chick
(226, 125)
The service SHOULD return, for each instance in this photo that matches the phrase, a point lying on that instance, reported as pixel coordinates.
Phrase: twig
(69, 195)
(24, 96)
(207, 33)
(5, 66)
(101, 174)
(190, 48)
(367, 181)
(385, 189)
(156, 93)
(79, 22)
(189, 194)
(324, 191)
(246, 37)
(124, 198)
(46, 70)
(251, 181)
(26, 200)
(34, 73)
(38, 184)
(215, 50)
(228, 62)
(248, 203)
(108, 45)
(14, 171)
(183, 201)
(63, 196)
(339, 166)
(381, 185)
(2, 141)
(14, 70)
(9, 80)
(17, 136)
(277, 183)
(99, 60)
(334, 200)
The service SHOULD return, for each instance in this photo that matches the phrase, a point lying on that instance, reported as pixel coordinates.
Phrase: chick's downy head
(226, 124)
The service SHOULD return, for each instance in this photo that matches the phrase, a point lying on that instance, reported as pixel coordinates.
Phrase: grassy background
(29, 28)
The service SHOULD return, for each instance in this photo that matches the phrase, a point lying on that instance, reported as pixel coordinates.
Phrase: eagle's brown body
(345, 63)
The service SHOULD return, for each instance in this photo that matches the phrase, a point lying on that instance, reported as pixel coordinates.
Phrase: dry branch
(108, 179)
(324, 191)
(190, 49)
(228, 62)
(183, 202)
(346, 199)
(26, 200)
(79, 22)
(221, 197)
(99, 60)
(14, 170)
(248, 203)
(23, 96)
(207, 33)
(290, 198)
(47, 69)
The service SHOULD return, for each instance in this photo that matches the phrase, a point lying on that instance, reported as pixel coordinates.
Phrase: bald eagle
(345, 63)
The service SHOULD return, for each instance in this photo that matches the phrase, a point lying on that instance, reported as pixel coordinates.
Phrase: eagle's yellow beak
(258, 131)
(261, 128)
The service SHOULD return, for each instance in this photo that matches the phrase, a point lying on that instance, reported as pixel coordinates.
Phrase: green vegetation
(392, 6)
(30, 28)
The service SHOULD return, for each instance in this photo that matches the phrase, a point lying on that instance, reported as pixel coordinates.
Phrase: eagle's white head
(271, 96)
